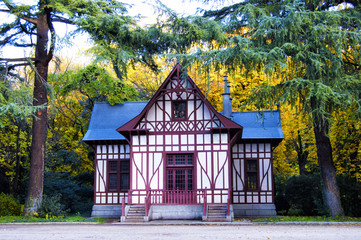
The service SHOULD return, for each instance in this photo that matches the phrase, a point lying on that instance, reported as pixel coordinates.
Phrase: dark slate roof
(106, 119)
(256, 126)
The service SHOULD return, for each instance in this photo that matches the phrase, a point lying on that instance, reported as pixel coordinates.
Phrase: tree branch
(53, 37)
(18, 14)
(24, 45)
(17, 59)
(56, 18)
(18, 65)
(7, 39)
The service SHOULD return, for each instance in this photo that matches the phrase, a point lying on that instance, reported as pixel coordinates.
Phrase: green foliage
(76, 218)
(9, 206)
(51, 207)
(297, 219)
(304, 195)
(76, 192)
(350, 191)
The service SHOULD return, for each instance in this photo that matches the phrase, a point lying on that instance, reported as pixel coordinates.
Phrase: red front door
(179, 180)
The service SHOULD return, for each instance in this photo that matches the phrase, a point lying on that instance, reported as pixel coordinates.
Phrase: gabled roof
(130, 126)
(105, 119)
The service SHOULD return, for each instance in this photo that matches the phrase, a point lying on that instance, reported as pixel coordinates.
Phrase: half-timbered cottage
(176, 157)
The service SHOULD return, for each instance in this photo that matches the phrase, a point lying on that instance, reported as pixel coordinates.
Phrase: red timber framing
(260, 156)
(109, 159)
(179, 121)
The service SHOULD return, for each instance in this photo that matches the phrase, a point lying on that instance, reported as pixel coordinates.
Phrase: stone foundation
(254, 210)
(106, 211)
(176, 212)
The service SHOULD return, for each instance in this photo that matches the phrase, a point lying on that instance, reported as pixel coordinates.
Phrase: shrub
(9, 206)
(350, 193)
(281, 202)
(51, 207)
(76, 192)
(304, 195)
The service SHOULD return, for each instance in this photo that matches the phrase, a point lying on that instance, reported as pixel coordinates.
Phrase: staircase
(217, 213)
(135, 213)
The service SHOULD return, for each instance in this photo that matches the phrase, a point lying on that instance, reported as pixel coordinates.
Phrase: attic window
(179, 110)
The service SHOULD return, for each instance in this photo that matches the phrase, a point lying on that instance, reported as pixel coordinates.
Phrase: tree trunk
(39, 130)
(302, 154)
(328, 172)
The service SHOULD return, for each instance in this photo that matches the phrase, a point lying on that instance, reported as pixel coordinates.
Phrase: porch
(208, 205)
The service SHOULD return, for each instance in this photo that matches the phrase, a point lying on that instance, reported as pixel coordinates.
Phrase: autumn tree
(29, 26)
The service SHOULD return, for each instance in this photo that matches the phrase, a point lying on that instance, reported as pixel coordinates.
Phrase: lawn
(307, 219)
(76, 218)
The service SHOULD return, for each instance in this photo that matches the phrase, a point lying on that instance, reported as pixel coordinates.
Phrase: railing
(147, 203)
(205, 202)
(181, 197)
(229, 204)
(123, 206)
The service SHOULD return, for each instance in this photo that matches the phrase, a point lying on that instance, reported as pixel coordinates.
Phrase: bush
(76, 192)
(299, 196)
(350, 193)
(302, 196)
(9, 206)
(51, 207)
(281, 202)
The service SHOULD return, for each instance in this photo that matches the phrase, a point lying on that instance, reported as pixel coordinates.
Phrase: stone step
(217, 210)
(220, 219)
(135, 213)
(134, 217)
(216, 214)
(217, 207)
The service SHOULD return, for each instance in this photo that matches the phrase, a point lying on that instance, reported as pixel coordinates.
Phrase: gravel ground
(185, 232)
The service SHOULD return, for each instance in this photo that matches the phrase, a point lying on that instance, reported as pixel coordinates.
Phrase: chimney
(227, 100)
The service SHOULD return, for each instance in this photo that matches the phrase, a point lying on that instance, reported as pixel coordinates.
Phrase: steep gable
(178, 106)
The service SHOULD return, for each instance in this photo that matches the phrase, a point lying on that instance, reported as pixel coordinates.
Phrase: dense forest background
(129, 62)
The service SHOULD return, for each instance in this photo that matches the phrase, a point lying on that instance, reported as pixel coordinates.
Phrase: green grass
(22, 219)
(307, 219)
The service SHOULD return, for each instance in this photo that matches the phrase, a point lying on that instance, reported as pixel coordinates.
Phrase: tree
(30, 28)
(321, 47)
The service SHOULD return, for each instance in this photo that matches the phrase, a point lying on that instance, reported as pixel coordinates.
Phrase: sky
(76, 49)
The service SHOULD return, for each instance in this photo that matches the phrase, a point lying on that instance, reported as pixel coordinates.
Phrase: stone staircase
(217, 213)
(135, 213)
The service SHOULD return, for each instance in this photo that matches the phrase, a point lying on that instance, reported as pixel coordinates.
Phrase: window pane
(190, 180)
(180, 179)
(124, 166)
(170, 160)
(252, 180)
(251, 165)
(124, 181)
(180, 160)
(113, 166)
(179, 109)
(113, 181)
(190, 159)
(170, 179)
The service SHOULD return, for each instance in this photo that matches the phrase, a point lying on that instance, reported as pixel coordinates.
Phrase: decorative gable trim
(228, 125)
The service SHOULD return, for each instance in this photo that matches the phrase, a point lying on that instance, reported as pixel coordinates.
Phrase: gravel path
(184, 232)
